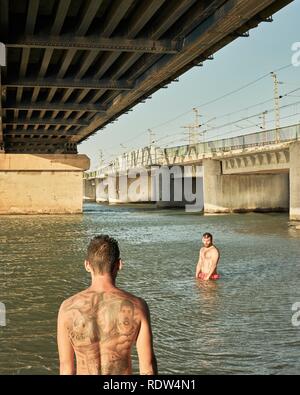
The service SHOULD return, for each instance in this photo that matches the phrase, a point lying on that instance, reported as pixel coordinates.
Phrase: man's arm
(65, 349)
(144, 345)
(213, 264)
(199, 264)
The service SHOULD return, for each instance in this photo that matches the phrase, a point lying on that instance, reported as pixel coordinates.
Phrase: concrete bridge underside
(75, 66)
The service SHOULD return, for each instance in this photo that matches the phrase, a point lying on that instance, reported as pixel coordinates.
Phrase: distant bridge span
(257, 171)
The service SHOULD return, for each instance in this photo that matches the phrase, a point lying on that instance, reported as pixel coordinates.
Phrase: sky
(169, 111)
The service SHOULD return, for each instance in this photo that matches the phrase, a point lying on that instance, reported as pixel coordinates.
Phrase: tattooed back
(102, 327)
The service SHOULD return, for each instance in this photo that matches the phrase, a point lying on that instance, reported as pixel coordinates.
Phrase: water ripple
(240, 324)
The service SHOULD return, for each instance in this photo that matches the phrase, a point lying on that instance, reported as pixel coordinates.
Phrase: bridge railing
(272, 136)
(158, 156)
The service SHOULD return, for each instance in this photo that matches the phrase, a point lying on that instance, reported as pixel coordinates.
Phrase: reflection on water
(238, 324)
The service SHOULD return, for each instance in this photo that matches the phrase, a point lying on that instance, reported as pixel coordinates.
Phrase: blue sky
(246, 59)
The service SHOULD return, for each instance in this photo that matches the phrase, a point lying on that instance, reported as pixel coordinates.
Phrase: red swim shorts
(212, 277)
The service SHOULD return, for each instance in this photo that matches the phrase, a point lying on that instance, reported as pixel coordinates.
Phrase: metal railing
(158, 156)
(273, 136)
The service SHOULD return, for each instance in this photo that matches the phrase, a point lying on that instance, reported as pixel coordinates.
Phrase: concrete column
(169, 187)
(41, 183)
(212, 187)
(295, 181)
(133, 186)
(117, 188)
(89, 189)
(101, 186)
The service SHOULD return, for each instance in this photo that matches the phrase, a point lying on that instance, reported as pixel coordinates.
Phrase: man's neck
(103, 282)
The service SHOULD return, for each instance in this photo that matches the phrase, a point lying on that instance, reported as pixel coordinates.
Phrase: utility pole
(276, 105)
(193, 130)
(263, 118)
(190, 133)
(197, 125)
(100, 156)
(151, 137)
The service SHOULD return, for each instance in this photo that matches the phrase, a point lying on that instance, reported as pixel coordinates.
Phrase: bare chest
(206, 255)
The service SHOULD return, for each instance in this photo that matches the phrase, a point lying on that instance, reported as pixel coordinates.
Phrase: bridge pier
(41, 183)
(179, 187)
(123, 187)
(101, 194)
(89, 188)
(163, 186)
(211, 187)
(295, 181)
(224, 193)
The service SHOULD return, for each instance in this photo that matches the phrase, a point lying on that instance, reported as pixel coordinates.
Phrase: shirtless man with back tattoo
(209, 256)
(102, 323)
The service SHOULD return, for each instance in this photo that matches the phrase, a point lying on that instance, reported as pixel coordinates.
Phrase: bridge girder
(85, 63)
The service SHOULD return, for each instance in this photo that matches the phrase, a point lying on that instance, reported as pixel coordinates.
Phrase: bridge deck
(244, 146)
(75, 66)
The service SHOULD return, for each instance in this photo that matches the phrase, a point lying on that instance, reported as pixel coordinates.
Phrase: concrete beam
(55, 162)
(41, 184)
(44, 121)
(98, 44)
(56, 106)
(66, 83)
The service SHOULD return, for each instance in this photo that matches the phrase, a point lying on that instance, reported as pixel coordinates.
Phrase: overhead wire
(209, 102)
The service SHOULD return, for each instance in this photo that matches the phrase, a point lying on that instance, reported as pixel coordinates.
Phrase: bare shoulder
(144, 306)
(138, 302)
(216, 250)
(71, 301)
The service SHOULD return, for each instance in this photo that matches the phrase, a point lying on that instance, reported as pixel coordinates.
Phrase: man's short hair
(102, 254)
(207, 235)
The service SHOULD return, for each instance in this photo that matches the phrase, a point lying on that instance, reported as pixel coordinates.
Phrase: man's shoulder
(72, 300)
(216, 250)
(136, 300)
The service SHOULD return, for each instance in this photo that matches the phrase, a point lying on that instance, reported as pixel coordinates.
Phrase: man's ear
(120, 264)
(87, 266)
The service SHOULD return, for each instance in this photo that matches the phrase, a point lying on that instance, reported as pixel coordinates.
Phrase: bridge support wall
(89, 189)
(243, 192)
(120, 188)
(185, 191)
(101, 193)
(41, 184)
(157, 185)
(295, 181)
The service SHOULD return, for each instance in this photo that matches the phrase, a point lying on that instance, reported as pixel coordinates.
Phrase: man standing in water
(101, 323)
(208, 259)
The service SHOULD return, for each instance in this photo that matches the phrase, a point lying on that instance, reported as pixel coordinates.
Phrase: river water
(240, 324)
